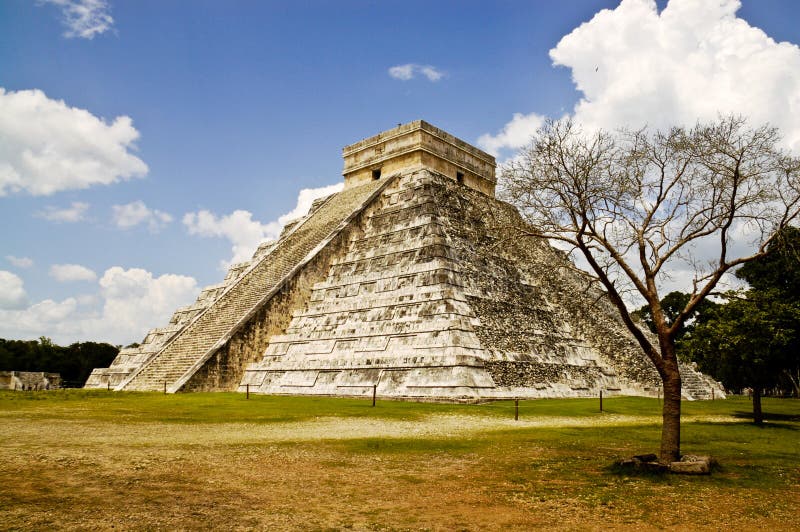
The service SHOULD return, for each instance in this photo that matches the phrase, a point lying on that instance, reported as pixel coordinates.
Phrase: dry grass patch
(396, 467)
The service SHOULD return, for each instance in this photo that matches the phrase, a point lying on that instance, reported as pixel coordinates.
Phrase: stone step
(211, 328)
(696, 387)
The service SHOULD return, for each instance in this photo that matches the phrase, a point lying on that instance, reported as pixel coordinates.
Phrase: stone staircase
(212, 328)
(696, 386)
(131, 358)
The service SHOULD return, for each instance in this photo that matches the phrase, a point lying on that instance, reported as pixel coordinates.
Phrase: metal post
(165, 387)
(516, 409)
(374, 393)
(712, 394)
(108, 386)
(601, 399)
(248, 392)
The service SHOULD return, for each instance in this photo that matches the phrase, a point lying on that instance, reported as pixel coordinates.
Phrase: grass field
(102, 460)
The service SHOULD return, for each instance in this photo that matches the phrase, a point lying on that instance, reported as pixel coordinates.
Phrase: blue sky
(146, 144)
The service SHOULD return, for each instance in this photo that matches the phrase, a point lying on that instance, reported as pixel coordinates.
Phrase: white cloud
(244, 233)
(45, 318)
(514, 134)
(135, 301)
(71, 272)
(84, 18)
(431, 72)
(129, 303)
(402, 72)
(701, 60)
(304, 200)
(693, 61)
(12, 291)
(135, 213)
(47, 146)
(74, 213)
(410, 70)
(20, 262)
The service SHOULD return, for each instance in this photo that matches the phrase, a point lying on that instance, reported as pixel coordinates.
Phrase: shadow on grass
(618, 470)
(738, 424)
(768, 416)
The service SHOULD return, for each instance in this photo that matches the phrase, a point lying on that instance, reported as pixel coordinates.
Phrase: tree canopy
(753, 341)
(748, 343)
(779, 268)
(74, 362)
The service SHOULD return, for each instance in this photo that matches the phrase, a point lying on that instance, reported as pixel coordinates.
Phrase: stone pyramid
(413, 282)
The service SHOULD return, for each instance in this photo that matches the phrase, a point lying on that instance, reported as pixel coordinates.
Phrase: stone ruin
(29, 380)
(412, 282)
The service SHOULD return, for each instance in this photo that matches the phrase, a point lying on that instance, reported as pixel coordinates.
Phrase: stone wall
(29, 380)
(544, 325)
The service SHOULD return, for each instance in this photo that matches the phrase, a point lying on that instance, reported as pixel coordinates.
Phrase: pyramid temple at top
(414, 280)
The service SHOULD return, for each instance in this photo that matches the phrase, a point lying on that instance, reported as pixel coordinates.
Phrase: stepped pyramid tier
(132, 357)
(412, 282)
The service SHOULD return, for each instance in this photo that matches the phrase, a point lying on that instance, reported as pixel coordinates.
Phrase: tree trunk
(794, 379)
(671, 413)
(758, 416)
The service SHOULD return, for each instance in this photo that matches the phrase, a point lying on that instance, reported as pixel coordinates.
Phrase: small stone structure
(413, 281)
(418, 145)
(29, 380)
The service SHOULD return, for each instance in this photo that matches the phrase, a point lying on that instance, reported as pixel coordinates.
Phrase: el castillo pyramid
(414, 280)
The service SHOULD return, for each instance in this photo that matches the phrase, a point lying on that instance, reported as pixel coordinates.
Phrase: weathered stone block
(692, 465)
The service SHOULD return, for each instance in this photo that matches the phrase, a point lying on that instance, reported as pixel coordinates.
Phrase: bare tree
(637, 205)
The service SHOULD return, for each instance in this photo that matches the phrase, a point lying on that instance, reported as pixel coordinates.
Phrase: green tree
(778, 273)
(779, 269)
(81, 358)
(672, 305)
(73, 363)
(748, 343)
